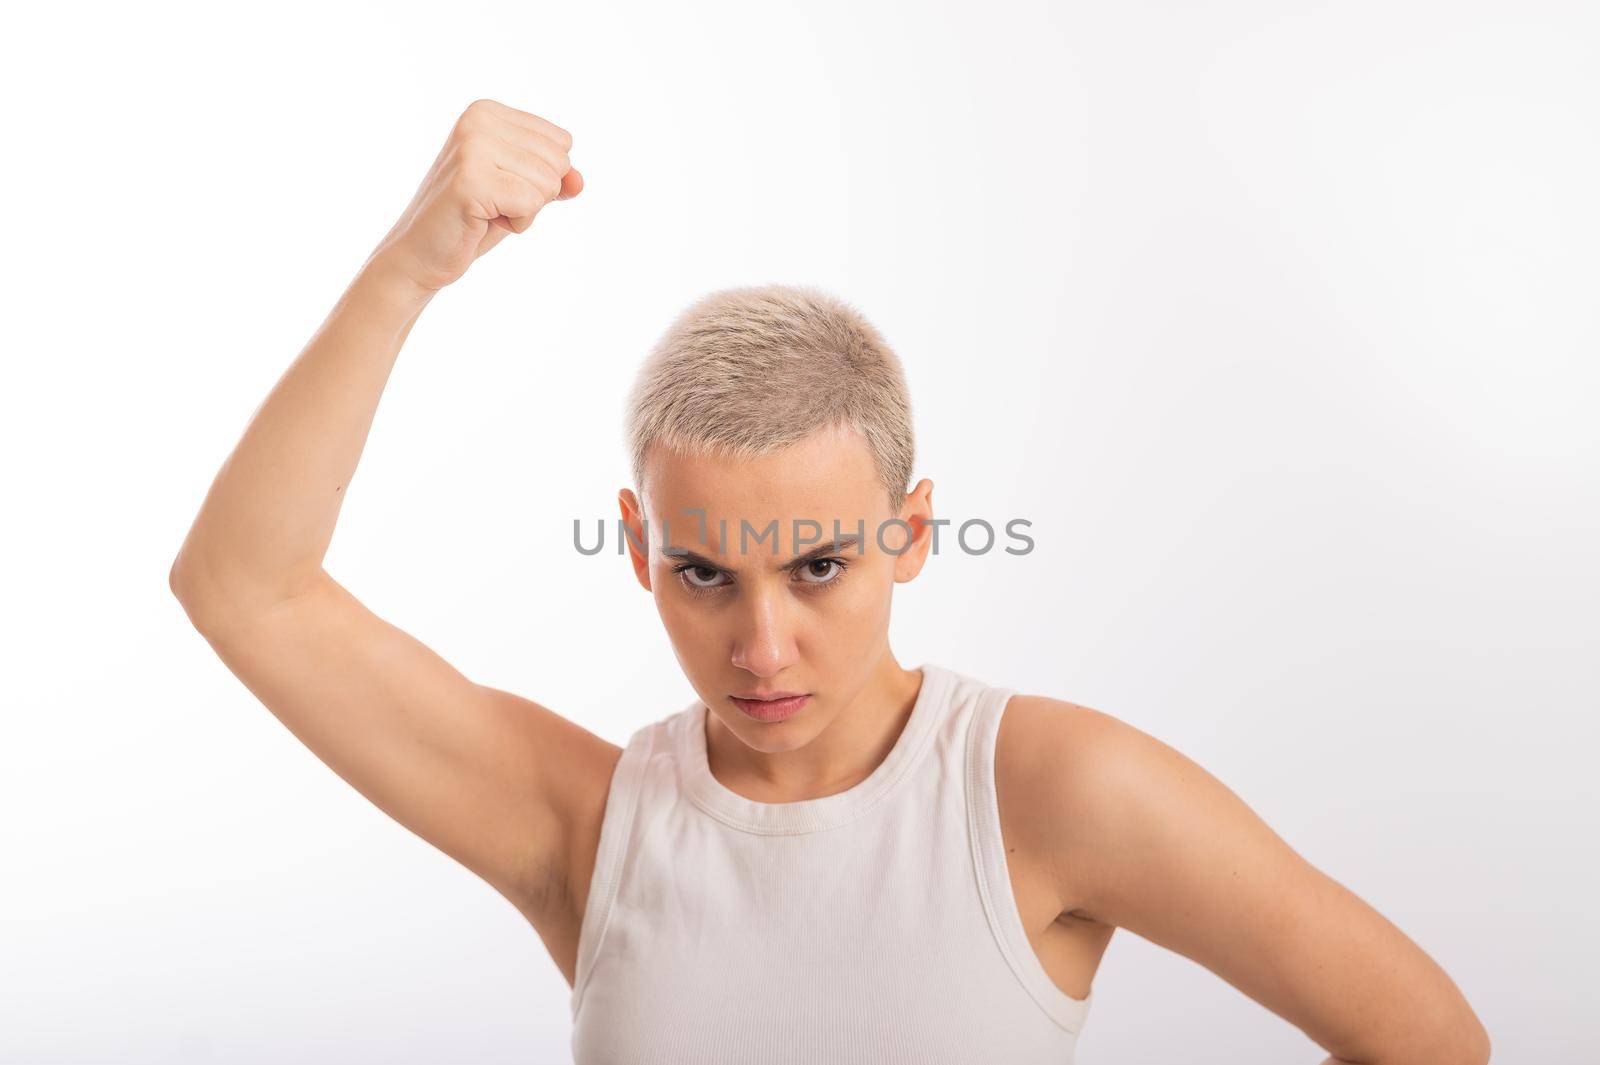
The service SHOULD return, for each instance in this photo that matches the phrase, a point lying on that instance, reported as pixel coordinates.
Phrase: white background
(1277, 321)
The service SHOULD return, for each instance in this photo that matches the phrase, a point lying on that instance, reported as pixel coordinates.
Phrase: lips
(776, 707)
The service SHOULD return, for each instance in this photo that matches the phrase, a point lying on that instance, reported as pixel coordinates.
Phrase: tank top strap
(994, 875)
(616, 826)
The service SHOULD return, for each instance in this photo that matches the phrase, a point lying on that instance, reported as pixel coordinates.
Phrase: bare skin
(1132, 834)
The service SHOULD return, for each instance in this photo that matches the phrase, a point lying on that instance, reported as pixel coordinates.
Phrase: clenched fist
(498, 167)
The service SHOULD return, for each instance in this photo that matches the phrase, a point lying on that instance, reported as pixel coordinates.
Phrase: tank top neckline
(828, 811)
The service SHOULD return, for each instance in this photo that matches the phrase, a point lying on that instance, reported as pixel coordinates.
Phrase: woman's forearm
(262, 533)
(266, 523)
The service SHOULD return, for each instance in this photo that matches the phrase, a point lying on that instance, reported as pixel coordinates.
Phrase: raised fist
(497, 168)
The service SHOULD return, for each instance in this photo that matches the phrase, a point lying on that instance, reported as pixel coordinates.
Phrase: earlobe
(641, 567)
(917, 514)
(911, 561)
(908, 567)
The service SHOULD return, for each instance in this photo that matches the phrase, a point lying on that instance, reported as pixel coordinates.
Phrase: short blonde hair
(747, 371)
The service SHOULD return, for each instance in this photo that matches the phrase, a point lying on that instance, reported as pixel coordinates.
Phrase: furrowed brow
(822, 550)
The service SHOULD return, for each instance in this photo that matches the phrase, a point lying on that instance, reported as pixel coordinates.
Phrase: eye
(834, 569)
(700, 578)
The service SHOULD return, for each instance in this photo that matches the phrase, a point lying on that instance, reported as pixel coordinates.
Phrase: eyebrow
(827, 547)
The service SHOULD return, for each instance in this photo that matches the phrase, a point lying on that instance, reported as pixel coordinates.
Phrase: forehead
(828, 476)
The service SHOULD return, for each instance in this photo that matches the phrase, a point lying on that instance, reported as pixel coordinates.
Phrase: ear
(916, 511)
(634, 534)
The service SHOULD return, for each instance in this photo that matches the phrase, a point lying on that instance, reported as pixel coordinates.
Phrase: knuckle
(549, 183)
(469, 119)
(563, 138)
(480, 115)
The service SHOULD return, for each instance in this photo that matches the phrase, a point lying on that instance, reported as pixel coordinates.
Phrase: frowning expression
(774, 575)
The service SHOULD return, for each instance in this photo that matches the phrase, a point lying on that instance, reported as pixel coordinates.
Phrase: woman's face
(786, 609)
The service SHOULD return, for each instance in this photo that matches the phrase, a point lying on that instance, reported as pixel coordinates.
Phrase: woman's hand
(497, 168)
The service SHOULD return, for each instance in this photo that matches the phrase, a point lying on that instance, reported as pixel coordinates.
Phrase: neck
(840, 756)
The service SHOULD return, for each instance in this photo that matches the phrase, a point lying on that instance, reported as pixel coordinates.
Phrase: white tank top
(876, 925)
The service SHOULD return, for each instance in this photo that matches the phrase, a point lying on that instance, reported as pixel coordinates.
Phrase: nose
(765, 643)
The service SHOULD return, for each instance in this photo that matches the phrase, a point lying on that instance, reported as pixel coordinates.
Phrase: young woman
(828, 856)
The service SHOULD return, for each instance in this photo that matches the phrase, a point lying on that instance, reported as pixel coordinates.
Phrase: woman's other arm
(1142, 838)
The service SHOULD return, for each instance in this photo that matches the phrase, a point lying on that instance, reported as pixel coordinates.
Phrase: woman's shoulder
(1077, 785)
(1079, 761)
